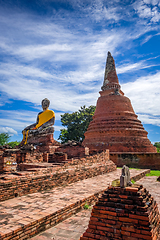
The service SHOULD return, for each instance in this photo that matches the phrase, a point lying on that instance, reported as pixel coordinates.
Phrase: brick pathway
(73, 227)
(23, 214)
(70, 229)
(152, 186)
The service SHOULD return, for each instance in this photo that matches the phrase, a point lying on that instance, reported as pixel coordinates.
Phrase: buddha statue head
(45, 104)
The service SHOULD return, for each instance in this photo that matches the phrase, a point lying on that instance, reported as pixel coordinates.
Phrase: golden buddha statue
(45, 120)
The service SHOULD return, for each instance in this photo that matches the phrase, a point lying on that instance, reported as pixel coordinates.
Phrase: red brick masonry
(137, 160)
(74, 171)
(25, 216)
(115, 125)
(124, 213)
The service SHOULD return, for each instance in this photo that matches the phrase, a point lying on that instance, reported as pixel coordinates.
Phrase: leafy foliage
(4, 138)
(13, 144)
(157, 145)
(87, 206)
(76, 124)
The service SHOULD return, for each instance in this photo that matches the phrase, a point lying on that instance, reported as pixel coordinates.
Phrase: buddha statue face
(45, 104)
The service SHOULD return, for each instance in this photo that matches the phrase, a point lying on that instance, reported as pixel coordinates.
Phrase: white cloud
(129, 67)
(16, 124)
(34, 91)
(155, 15)
(155, 2)
(145, 9)
(14, 70)
(100, 12)
(144, 94)
(24, 115)
(134, 66)
(58, 128)
(148, 119)
(31, 81)
(8, 130)
(146, 39)
(41, 51)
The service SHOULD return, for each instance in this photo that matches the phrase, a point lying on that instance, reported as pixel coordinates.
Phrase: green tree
(76, 124)
(157, 145)
(4, 138)
(13, 144)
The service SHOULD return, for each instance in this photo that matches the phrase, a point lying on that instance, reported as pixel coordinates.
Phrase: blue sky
(58, 48)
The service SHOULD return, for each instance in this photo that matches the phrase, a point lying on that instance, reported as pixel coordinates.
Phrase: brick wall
(33, 157)
(8, 160)
(1, 161)
(9, 157)
(57, 157)
(74, 151)
(124, 213)
(77, 169)
(137, 160)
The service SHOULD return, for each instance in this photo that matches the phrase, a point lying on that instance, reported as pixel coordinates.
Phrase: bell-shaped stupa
(115, 125)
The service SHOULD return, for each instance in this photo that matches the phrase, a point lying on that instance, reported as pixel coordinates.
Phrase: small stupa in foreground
(115, 125)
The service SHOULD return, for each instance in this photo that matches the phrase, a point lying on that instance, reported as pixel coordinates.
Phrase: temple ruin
(37, 177)
(115, 125)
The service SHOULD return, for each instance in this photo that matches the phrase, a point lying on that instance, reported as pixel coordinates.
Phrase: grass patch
(132, 181)
(86, 206)
(153, 173)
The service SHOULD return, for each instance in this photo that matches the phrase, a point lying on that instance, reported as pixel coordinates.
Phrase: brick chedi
(115, 125)
(124, 213)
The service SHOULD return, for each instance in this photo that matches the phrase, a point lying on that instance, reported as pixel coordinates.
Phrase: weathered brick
(89, 235)
(30, 184)
(97, 223)
(141, 236)
(83, 238)
(138, 217)
(126, 233)
(108, 212)
(124, 219)
(105, 229)
(92, 226)
(146, 232)
(133, 223)
(144, 223)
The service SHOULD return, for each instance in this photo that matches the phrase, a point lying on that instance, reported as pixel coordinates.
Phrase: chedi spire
(110, 76)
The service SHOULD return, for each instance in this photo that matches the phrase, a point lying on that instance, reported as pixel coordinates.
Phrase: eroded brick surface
(124, 212)
(45, 176)
(136, 160)
(26, 216)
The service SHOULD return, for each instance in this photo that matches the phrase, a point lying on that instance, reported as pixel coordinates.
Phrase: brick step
(34, 165)
(26, 216)
(34, 169)
(57, 164)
